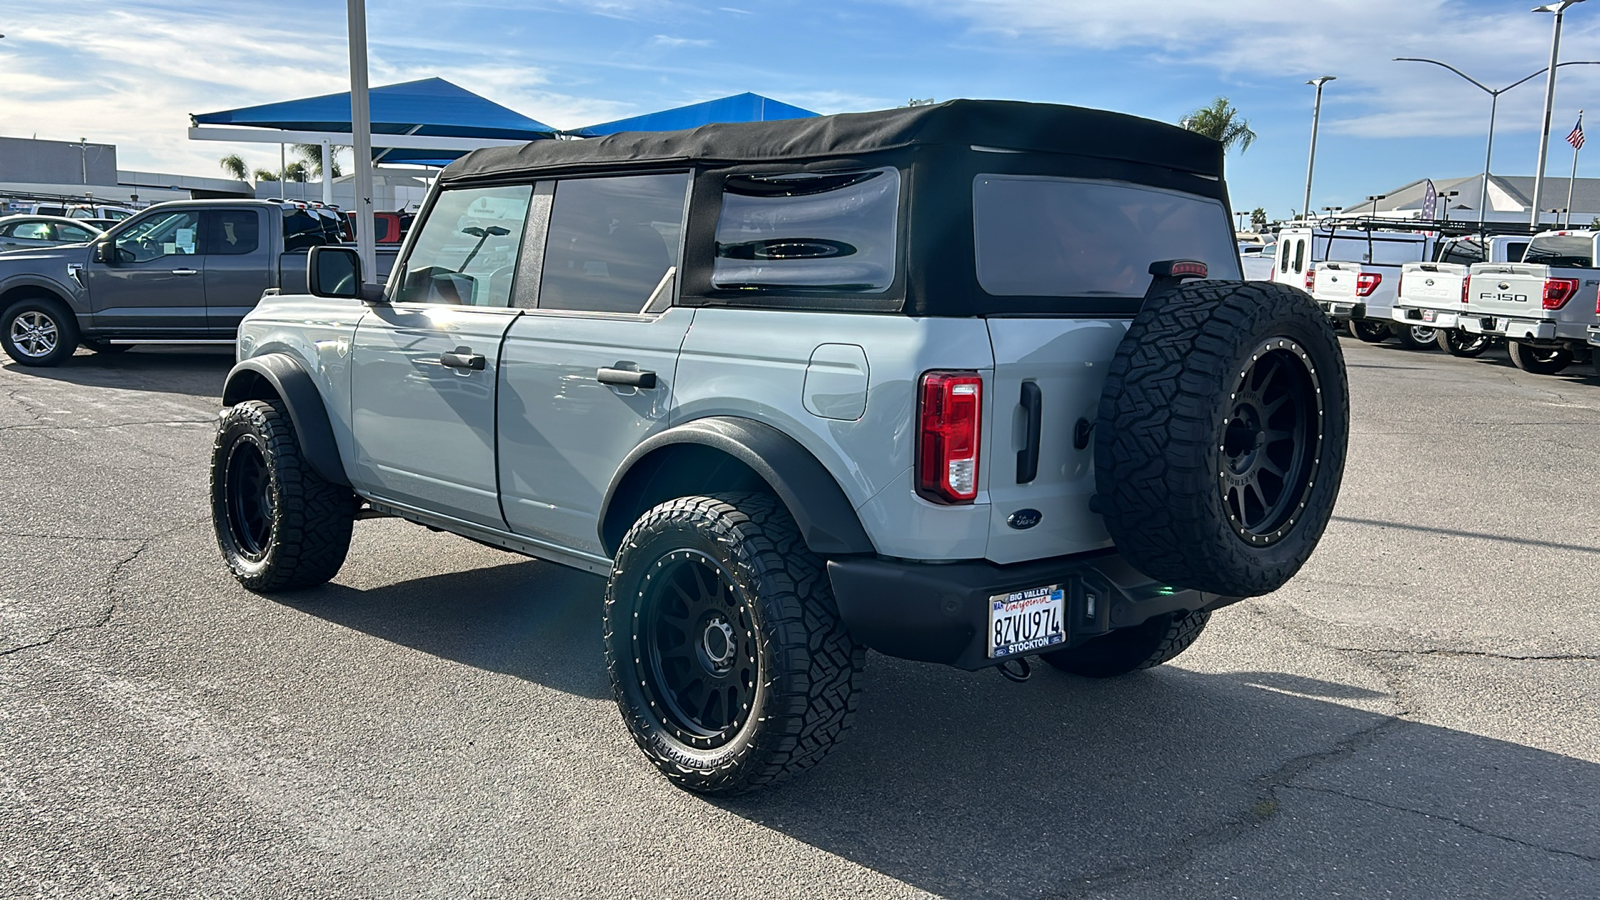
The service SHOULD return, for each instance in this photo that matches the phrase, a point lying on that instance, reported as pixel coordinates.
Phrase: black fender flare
(827, 520)
(283, 376)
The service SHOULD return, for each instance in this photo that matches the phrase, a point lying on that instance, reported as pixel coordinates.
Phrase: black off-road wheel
(1125, 650)
(1370, 331)
(1417, 337)
(279, 524)
(38, 331)
(1465, 344)
(1220, 443)
(726, 653)
(1539, 360)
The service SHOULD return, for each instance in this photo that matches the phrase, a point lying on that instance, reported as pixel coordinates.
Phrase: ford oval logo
(1023, 519)
(1429, 282)
(1505, 285)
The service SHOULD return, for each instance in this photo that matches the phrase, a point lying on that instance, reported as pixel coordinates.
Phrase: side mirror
(334, 272)
(104, 252)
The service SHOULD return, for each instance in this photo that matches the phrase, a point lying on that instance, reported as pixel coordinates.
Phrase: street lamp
(1494, 107)
(1446, 196)
(1375, 198)
(1560, 9)
(1316, 116)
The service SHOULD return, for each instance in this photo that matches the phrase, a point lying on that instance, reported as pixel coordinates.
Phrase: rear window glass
(833, 232)
(1572, 250)
(1466, 251)
(1065, 237)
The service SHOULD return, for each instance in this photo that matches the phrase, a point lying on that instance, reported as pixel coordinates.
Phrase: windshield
(1066, 237)
(1570, 250)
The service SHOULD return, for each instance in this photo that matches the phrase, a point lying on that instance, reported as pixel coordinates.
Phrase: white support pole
(1573, 181)
(1549, 104)
(361, 130)
(327, 173)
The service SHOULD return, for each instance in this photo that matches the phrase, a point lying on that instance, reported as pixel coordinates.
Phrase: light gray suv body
(926, 381)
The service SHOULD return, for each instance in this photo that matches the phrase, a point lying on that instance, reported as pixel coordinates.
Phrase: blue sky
(130, 74)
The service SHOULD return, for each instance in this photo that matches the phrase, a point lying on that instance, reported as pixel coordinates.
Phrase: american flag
(1576, 137)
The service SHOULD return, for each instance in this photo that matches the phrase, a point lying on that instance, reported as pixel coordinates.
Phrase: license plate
(1427, 315)
(1026, 621)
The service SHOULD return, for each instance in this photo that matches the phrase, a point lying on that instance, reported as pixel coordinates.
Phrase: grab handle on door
(185, 272)
(626, 378)
(463, 358)
(1033, 410)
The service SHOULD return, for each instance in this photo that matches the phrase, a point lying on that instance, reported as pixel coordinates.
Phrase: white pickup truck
(1357, 284)
(1431, 295)
(1544, 306)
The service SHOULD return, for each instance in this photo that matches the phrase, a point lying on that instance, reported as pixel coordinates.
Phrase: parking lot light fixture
(1560, 9)
(1316, 117)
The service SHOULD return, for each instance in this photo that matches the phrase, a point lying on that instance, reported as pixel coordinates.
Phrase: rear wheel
(1463, 343)
(726, 652)
(1417, 337)
(38, 331)
(1125, 650)
(1539, 360)
(1372, 332)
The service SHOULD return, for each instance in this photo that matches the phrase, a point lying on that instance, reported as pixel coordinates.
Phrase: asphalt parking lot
(1416, 715)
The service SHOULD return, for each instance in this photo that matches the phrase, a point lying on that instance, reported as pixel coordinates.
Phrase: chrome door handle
(463, 358)
(185, 272)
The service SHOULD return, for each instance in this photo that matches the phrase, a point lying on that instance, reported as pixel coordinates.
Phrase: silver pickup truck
(967, 384)
(182, 272)
(1544, 306)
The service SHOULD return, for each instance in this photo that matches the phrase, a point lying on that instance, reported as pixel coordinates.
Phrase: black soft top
(994, 124)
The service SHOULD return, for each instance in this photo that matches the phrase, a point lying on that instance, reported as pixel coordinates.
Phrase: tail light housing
(1367, 282)
(1466, 288)
(948, 417)
(1311, 280)
(1557, 291)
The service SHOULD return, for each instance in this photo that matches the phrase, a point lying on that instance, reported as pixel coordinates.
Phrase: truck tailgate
(1065, 362)
(1431, 286)
(1515, 290)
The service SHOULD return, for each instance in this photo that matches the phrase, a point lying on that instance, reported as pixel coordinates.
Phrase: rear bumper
(1594, 335)
(1509, 327)
(1341, 309)
(1410, 316)
(940, 613)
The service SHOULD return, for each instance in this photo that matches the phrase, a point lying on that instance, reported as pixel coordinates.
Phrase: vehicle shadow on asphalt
(193, 371)
(967, 786)
(528, 619)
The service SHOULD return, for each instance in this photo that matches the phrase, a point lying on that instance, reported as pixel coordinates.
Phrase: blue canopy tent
(744, 107)
(431, 107)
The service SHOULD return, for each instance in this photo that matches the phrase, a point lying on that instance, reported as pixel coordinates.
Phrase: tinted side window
(467, 251)
(73, 233)
(233, 232)
(37, 231)
(612, 241)
(161, 234)
(1299, 256)
(1283, 255)
(834, 232)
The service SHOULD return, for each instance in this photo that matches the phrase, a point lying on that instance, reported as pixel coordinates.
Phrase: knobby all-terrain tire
(1175, 450)
(1465, 344)
(1417, 337)
(1370, 331)
(279, 524)
(1144, 646)
(1537, 361)
(38, 331)
(794, 665)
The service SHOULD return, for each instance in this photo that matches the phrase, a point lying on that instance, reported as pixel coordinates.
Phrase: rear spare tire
(1221, 437)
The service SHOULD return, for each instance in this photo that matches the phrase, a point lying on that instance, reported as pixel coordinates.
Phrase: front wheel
(1463, 343)
(1417, 337)
(1369, 331)
(1125, 650)
(727, 656)
(280, 525)
(38, 332)
(1539, 360)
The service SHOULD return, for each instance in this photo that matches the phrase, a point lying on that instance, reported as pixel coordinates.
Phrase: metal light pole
(1316, 118)
(1560, 9)
(1494, 106)
(361, 131)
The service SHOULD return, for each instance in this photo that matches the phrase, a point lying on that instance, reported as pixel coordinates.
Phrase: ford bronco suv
(967, 384)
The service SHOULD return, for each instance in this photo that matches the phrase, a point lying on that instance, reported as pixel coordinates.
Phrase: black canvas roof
(1004, 124)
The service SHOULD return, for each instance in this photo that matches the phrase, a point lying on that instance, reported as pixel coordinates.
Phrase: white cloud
(664, 40)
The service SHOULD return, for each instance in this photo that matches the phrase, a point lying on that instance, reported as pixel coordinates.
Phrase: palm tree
(295, 171)
(1258, 219)
(1220, 121)
(234, 165)
(265, 175)
(311, 156)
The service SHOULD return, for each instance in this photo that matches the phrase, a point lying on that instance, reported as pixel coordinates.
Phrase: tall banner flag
(1430, 203)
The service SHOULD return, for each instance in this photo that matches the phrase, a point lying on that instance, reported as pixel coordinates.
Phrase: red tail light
(1367, 282)
(1466, 288)
(1311, 280)
(1557, 291)
(947, 431)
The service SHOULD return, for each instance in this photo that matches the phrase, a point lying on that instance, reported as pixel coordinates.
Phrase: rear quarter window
(1568, 250)
(1063, 237)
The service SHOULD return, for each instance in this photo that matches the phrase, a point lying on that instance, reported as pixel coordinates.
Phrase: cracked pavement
(1415, 715)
